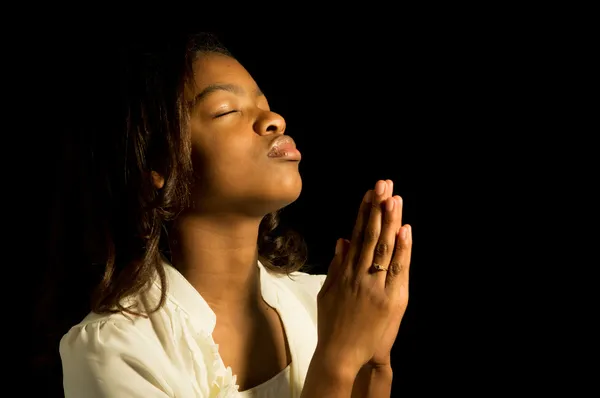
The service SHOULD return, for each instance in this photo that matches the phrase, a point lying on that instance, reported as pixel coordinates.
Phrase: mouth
(284, 147)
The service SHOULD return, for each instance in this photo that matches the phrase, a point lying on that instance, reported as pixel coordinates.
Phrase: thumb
(335, 266)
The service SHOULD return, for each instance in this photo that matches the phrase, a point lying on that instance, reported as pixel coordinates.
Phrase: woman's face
(232, 131)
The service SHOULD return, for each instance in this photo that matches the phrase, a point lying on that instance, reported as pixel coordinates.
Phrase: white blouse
(279, 386)
(172, 353)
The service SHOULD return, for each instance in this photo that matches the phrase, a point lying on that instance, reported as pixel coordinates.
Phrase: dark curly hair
(154, 137)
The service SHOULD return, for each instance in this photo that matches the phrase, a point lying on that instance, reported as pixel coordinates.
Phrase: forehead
(219, 69)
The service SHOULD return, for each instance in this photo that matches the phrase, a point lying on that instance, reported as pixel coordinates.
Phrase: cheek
(234, 151)
(226, 154)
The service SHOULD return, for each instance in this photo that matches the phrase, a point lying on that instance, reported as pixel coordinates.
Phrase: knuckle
(382, 249)
(390, 219)
(395, 268)
(383, 302)
(376, 205)
(371, 235)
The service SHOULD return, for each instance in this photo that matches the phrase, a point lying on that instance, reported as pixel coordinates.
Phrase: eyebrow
(232, 88)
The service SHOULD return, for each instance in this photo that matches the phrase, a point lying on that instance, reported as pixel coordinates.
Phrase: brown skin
(214, 244)
(383, 255)
(359, 309)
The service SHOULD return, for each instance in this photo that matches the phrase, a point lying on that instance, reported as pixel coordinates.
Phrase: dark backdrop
(461, 106)
(360, 106)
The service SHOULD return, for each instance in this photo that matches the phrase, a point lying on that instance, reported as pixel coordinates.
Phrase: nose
(269, 123)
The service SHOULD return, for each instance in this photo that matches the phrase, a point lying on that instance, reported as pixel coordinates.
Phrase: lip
(284, 147)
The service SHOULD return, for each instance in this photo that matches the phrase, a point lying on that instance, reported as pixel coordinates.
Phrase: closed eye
(226, 113)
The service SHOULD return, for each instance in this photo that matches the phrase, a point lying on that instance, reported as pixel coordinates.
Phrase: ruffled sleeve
(110, 358)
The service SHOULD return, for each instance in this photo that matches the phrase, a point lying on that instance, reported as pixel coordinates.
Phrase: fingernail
(368, 196)
(380, 187)
(389, 204)
(338, 246)
(404, 233)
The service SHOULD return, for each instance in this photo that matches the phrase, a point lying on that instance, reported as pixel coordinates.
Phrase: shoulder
(111, 354)
(106, 331)
(114, 333)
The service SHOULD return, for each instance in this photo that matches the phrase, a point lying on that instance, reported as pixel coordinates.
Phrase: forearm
(373, 382)
(327, 379)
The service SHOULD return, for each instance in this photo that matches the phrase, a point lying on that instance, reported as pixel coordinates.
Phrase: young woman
(199, 296)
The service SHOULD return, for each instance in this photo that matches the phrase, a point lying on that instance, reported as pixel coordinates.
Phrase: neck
(218, 255)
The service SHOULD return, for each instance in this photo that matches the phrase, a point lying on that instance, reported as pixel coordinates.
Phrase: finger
(372, 229)
(389, 189)
(401, 209)
(387, 239)
(359, 226)
(397, 275)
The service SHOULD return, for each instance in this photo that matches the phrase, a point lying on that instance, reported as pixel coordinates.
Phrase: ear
(157, 180)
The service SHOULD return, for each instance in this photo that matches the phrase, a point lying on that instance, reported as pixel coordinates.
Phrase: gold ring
(379, 267)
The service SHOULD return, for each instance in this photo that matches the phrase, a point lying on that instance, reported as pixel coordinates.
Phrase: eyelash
(224, 114)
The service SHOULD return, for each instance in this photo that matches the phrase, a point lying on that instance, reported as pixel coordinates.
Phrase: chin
(282, 195)
(291, 188)
(289, 200)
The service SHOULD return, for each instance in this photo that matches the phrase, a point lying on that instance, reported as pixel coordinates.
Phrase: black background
(425, 107)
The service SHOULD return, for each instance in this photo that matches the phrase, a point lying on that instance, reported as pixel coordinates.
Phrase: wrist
(337, 367)
(373, 381)
(328, 376)
(380, 367)
(382, 372)
(379, 359)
